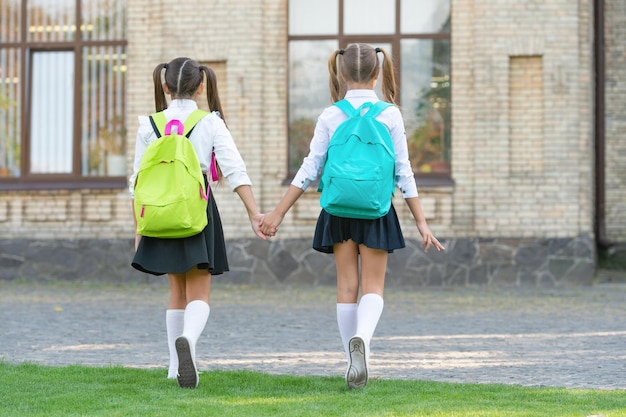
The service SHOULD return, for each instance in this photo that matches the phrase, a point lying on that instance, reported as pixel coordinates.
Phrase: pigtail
(389, 78)
(159, 94)
(213, 100)
(212, 95)
(337, 87)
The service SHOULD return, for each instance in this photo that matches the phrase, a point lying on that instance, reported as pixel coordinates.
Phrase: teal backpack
(170, 194)
(358, 180)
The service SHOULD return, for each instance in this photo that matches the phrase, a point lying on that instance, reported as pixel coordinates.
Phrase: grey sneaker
(187, 372)
(357, 370)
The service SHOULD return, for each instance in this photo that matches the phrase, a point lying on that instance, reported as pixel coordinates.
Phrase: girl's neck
(366, 85)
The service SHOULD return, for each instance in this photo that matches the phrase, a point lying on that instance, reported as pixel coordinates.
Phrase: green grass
(33, 390)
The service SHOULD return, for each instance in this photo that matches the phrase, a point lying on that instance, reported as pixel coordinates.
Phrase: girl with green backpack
(190, 262)
(353, 76)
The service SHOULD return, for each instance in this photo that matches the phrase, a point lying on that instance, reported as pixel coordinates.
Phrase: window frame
(26, 48)
(426, 179)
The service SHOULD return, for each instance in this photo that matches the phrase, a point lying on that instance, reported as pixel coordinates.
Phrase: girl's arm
(270, 223)
(428, 239)
(246, 196)
(137, 237)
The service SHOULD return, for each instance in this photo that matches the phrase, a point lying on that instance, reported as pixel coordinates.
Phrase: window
(417, 34)
(62, 93)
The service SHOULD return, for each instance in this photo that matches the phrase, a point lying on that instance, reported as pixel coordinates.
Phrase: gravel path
(562, 337)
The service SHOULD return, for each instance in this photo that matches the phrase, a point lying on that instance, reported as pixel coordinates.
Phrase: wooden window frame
(26, 47)
(425, 179)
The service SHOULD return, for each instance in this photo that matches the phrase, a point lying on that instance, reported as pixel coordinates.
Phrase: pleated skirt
(382, 233)
(206, 250)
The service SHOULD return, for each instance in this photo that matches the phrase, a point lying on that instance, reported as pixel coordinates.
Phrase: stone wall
(485, 262)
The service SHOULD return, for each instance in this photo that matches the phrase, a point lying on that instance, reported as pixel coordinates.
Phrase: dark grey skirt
(206, 250)
(382, 233)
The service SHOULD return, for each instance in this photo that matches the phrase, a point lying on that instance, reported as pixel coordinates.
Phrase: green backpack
(358, 180)
(170, 193)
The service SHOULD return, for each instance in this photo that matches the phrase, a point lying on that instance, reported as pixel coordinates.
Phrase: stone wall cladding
(482, 262)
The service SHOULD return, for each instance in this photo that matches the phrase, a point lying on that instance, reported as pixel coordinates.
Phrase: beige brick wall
(497, 191)
(492, 198)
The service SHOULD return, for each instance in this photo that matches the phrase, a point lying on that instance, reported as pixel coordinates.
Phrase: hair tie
(378, 50)
(341, 51)
(166, 65)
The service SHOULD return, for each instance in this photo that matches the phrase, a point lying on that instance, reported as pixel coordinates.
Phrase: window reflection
(10, 114)
(319, 17)
(425, 16)
(308, 93)
(425, 93)
(364, 17)
(52, 108)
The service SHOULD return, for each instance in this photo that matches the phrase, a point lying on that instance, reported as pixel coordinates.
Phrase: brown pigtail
(213, 100)
(212, 95)
(389, 78)
(337, 86)
(159, 94)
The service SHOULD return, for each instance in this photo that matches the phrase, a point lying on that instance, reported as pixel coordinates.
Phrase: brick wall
(615, 107)
(522, 99)
(493, 44)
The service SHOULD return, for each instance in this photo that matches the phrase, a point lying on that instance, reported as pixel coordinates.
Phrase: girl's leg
(174, 322)
(347, 264)
(198, 287)
(373, 267)
(174, 318)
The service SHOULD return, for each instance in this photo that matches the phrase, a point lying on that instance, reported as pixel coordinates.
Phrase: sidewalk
(569, 337)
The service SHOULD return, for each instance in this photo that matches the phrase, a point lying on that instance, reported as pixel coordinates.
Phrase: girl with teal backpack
(189, 259)
(346, 226)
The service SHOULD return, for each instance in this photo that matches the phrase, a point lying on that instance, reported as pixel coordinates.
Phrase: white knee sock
(174, 320)
(196, 316)
(346, 320)
(368, 313)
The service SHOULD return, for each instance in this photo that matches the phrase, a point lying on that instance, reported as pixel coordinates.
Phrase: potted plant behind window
(427, 143)
(111, 142)
(9, 137)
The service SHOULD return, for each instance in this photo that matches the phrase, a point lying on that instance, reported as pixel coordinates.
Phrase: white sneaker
(357, 369)
(187, 372)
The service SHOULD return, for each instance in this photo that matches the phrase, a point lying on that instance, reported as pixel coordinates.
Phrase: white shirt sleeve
(405, 178)
(144, 132)
(227, 155)
(314, 162)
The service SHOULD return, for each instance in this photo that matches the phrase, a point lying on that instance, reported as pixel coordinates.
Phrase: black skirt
(206, 250)
(382, 233)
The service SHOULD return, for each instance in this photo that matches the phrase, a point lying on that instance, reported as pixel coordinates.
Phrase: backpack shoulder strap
(158, 122)
(346, 107)
(377, 108)
(193, 119)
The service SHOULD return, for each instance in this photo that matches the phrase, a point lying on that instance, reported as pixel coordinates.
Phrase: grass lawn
(33, 390)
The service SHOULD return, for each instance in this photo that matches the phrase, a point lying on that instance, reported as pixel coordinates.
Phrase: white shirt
(210, 134)
(328, 122)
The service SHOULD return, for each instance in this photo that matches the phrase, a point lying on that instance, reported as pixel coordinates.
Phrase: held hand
(428, 239)
(270, 223)
(256, 221)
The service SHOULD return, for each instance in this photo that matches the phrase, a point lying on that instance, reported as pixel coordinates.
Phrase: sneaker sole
(357, 372)
(187, 372)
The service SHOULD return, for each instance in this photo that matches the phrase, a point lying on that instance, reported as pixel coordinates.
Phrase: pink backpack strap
(213, 168)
